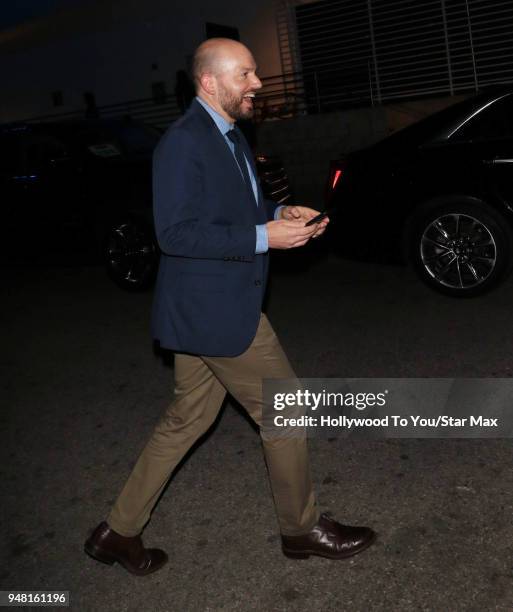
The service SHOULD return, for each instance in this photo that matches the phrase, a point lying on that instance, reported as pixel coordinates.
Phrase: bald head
(216, 55)
(225, 76)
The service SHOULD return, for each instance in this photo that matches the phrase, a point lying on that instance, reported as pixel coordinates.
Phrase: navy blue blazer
(210, 285)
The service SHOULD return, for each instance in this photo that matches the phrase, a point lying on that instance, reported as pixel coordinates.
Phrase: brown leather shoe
(328, 539)
(108, 546)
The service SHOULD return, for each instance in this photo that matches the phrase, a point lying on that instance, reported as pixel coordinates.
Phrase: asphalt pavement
(82, 388)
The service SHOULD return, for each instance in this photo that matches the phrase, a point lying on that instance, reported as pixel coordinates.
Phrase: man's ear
(208, 83)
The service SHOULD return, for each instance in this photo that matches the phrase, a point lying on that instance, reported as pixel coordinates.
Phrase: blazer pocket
(203, 283)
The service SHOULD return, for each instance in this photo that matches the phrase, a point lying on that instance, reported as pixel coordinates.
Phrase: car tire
(131, 255)
(460, 247)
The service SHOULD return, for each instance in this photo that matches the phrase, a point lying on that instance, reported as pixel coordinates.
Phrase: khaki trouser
(201, 384)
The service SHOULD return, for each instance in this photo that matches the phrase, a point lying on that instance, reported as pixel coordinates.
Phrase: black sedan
(438, 194)
(81, 191)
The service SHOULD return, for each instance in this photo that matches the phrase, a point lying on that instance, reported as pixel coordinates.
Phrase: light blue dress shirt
(262, 243)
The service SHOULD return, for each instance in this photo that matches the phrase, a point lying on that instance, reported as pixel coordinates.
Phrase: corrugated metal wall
(352, 52)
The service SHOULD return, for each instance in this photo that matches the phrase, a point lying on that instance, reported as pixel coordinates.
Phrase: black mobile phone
(317, 218)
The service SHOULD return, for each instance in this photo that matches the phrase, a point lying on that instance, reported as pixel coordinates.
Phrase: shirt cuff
(277, 212)
(262, 243)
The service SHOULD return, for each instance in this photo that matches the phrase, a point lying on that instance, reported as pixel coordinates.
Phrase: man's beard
(232, 106)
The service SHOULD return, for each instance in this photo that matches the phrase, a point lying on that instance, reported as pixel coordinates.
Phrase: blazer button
(258, 283)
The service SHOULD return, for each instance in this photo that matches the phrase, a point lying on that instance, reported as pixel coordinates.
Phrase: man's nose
(257, 83)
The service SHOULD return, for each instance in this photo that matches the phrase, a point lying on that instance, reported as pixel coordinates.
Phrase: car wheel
(131, 255)
(462, 248)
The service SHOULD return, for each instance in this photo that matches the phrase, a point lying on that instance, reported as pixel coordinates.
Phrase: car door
(54, 193)
(490, 136)
(20, 217)
(497, 156)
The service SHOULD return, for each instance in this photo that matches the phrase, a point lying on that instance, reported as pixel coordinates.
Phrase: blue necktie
(235, 137)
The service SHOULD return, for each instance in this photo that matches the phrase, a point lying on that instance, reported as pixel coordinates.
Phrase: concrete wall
(109, 46)
(401, 114)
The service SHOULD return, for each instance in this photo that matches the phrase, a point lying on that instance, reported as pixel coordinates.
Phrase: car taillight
(336, 173)
(335, 178)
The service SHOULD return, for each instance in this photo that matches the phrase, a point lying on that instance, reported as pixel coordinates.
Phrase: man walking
(215, 228)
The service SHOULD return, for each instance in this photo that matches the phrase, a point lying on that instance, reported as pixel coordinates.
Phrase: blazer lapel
(224, 151)
(250, 157)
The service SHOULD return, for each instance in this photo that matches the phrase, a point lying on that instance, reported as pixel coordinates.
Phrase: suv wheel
(461, 248)
(131, 255)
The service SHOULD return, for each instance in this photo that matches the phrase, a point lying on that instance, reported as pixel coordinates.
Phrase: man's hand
(304, 214)
(284, 234)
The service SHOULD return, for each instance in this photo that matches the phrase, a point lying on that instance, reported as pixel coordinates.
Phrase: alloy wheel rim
(458, 251)
(130, 253)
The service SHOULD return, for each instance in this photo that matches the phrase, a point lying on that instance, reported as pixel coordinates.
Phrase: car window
(493, 122)
(138, 139)
(44, 149)
(97, 140)
(119, 139)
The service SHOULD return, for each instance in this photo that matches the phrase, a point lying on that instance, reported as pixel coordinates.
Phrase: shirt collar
(222, 125)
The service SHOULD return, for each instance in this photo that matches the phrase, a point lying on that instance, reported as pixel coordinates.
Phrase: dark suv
(81, 190)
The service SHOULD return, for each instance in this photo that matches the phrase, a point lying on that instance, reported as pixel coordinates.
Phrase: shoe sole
(98, 555)
(305, 554)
